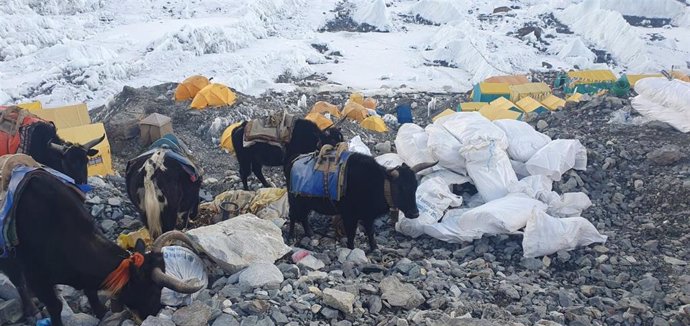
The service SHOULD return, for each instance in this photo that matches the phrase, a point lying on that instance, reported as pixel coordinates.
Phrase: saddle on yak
(321, 174)
(175, 149)
(15, 172)
(276, 129)
(14, 138)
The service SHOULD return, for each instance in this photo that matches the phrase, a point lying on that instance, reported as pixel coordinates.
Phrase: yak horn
(175, 284)
(94, 142)
(169, 236)
(57, 147)
(422, 166)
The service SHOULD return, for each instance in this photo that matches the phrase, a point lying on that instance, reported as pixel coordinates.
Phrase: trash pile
(511, 166)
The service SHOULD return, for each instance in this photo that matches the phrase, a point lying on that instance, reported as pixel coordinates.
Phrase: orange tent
(355, 111)
(357, 98)
(319, 119)
(369, 103)
(325, 107)
(214, 95)
(190, 87)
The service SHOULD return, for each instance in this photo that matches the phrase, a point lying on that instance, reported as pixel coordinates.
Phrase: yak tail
(152, 204)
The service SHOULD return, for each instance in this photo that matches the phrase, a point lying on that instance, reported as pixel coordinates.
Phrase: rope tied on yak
(118, 278)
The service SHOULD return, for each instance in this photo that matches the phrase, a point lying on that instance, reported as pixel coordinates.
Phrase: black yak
(60, 244)
(306, 137)
(371, 191)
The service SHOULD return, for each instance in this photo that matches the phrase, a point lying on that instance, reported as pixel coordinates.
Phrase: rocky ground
(638, 178)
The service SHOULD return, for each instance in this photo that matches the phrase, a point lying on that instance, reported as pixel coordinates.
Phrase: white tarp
(664, 100)
(545, 235)
(523, 140)
(558, 157)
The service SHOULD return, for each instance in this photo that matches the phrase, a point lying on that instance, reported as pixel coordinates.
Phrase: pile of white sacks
(513, 168)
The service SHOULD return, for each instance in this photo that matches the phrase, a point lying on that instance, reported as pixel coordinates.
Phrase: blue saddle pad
(307, 180)
(187, 164)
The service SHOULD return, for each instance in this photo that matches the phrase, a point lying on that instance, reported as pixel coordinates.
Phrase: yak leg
(307, 227)
(351, 230)
(46, 293)
(245, 170)
(15, 274)
(258, 172)
(369, 229)
(96, 306)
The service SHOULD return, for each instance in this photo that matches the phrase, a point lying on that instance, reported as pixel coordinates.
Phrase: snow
(66, 51)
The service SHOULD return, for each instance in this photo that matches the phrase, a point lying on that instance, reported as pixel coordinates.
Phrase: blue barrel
(404, 112)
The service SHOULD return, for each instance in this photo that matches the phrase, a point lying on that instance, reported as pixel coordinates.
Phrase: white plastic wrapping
(182, 264)
(558, 157)
(545, 235)
(445, 148)
(664, 100)
(433, 199)
(357, 145)
(411, 144)
(490, 169)
(523, 140)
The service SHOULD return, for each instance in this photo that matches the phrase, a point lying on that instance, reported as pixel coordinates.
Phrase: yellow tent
(374, 123)
(31, 106)
(214, 95)
(632, 79)
(102, 163)
(510, 80)
(471, 106)
(537, 91)
(369, 103)
(319, 119)
(190, 87)
(501, 109)
(576, 97)
(529, 105)
(65, 116)
(486, 92)
(355, 111)
(592, 76)
(680, 76)
(226, 137)
(442, 114)
(325, 107)
(357, 98)
(553, 102)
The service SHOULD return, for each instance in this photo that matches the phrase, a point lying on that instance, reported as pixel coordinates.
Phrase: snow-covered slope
(63, 51)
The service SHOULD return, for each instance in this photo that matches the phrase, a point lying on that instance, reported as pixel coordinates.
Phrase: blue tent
(404, 112)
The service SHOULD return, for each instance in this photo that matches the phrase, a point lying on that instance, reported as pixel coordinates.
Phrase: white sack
(664, 100)
(182, 264)
(445, 149)
(473, 130)
(433, 199)
(505, 215)
(389, 160)
(545, 235)
(447, 230)
(357, 145)
(566, 205)
(558, 157)
(534, 186)
(411, 145)
(490, 171)
(448, 177)
(520, 169)
(523, 140)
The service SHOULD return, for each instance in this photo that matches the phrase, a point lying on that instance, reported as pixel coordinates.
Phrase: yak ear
(140, 246)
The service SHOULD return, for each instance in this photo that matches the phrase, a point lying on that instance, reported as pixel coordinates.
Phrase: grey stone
(340, 300)
(564, 299)
(279, 317)
(541, 125)
(312, 263)
(97, 210)
(674, 261)
(329, 313)
(261, 274)
(225, 320)
(114, 201)
(462, 252)
(7, 290)
(11, 311)
(509, 291)
(80, 320)
(400, 295)
(532, 264)
(375, 304)
(108, 225)
(384, 147)
(196, 314)
(666, 155)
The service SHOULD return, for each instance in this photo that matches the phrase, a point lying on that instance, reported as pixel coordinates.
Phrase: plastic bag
(490, 169)
(182, 264)
(523, 140)
(445, 149)
(389, 160)
(558, 157)
(545, 235)
(411, 144)
(270, 204)
(505, 215)
(357, 145)
(433, 198)
(127, 241)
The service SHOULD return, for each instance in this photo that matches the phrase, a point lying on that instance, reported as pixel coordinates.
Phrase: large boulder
(399, 294)
(238, 242)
